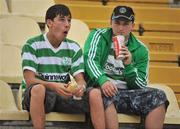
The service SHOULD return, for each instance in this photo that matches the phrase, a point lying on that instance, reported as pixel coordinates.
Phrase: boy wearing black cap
(120, 84)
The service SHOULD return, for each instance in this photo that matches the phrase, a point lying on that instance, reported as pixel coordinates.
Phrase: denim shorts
(56, 103)
(137, 101)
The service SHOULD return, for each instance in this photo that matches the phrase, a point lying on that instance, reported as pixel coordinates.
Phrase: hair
(55, 10)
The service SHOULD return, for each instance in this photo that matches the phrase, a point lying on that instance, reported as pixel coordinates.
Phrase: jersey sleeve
(29, 59)
(77, 63)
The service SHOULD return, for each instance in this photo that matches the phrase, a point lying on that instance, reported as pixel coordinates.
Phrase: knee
(95, 94)
(38, 91)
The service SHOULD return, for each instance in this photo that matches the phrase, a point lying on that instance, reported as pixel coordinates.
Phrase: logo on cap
(122, 10)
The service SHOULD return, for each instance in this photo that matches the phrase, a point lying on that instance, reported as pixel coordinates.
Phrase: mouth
(65, 32)
(120, 33)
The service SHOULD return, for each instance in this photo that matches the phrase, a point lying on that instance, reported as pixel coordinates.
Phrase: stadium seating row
(16, 30)
(9, 110)
(22, 28)
(143, 14)
(148, 3)
(157, 24)
(157, 21)
(163, 50)
(95, 12)
(35, 9)
(150, 28)
(145, 1)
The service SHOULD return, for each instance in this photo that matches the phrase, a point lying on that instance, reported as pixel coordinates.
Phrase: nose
(120, 27)
(67, 22)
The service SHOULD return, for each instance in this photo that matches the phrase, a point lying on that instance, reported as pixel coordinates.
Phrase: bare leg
(155, 118)
(37, 106)
(111, 117)
(97, 109)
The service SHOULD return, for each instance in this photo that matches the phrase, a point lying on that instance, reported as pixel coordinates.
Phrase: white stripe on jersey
(55, 60)
(71, 46)
(29, 56)
(39, 45)
(29, 68)
(138, 80)
(64, 45)
(77, 72)
(56, 74)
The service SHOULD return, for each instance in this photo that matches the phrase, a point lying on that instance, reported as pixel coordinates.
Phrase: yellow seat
(10, 64)
(78, 31)
(3, 7)
(161, 44)
(55, 116)
(123, 118)
(15, 30)
(35, 9)
(164, 74)
(8, 109)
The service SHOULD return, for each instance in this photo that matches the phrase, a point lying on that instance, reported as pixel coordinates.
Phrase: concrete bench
(9, 110)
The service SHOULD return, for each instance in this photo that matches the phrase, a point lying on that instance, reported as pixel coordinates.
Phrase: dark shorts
(56, 103)
(138, 101)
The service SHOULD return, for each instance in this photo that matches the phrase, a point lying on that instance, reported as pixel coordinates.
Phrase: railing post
(141, 29)
(104, 2)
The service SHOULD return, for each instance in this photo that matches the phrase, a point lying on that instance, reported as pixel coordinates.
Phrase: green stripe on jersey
(29, 63)
(53, 68)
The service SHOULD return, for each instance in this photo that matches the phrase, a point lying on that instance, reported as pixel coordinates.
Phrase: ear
(110, 22)
(49, 23)
(133, 25)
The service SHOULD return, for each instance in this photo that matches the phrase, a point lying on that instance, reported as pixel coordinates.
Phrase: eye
(126, 23)
(61, 19)
(69, 20)
(117, 22)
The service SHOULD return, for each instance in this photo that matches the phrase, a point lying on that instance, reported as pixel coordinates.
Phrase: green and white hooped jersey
(52, 64)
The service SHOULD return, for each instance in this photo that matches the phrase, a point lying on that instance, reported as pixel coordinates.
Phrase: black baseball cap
(123, 12)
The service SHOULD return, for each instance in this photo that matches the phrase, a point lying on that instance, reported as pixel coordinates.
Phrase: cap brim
(122, 19)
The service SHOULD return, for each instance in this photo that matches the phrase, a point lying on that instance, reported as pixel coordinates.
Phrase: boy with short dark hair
(47, 62)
